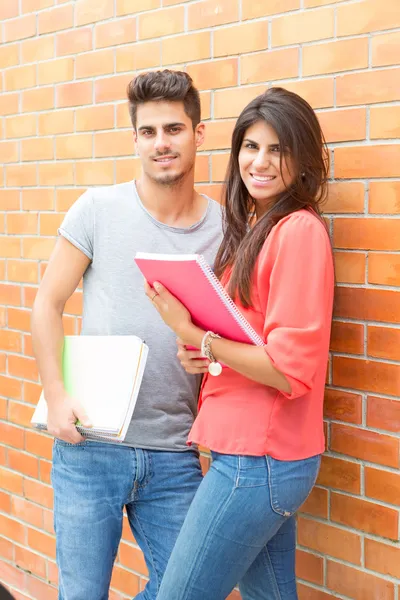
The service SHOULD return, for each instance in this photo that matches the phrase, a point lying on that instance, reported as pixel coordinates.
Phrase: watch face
(5, 594)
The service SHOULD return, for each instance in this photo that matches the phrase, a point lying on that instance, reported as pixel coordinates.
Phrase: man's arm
(66, 267)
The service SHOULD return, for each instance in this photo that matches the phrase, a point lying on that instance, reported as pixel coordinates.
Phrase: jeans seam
(150, 552)
(279, 597)
(283, 513)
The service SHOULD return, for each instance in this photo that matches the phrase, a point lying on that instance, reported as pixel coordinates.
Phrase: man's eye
(175, 129)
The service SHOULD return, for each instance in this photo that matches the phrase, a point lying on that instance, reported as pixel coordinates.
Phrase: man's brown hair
(168, 86)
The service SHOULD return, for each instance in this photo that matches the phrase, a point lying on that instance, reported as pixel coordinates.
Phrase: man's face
(165, 141)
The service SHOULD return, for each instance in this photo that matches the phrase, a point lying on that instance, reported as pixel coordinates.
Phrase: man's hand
(63, 413)
(191, 360)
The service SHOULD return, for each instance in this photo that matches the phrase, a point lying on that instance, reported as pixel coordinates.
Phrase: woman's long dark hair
(299, 134)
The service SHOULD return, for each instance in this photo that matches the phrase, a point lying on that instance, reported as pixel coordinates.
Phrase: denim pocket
(59, 442)
(291, 482)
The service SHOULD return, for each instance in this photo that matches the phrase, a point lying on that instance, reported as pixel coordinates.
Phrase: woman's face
(260, 166)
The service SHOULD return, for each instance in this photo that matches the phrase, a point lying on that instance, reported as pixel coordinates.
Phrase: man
(153, 474)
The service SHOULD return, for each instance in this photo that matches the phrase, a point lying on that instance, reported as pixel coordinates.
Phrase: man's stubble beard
(173, 180)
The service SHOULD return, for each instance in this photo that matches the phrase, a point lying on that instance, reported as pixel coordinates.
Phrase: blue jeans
(241, 527)
(92, 482)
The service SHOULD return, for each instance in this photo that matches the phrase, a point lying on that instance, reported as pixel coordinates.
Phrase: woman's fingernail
(157, 286)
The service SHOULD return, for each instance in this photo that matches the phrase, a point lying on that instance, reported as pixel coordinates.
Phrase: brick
(74, 146)
(36, 248)
(219, 135)
(317, 92)
(94, 118)
(368, 87)
(214, 74)
(163, 22)
(56, 174)
(316, 503)
(92, 64)
(329, 540)
(28, 561)
(125, 581)
(350, 267)
(344, 125)
(27, 511)
(340, 474)
(91, 11)
(210, 13)
(371, 376)
(38, 99)
(127, 7)
(37, 149)
(307, 26)
(41, 542)
(8, 152)
(74, 41)
(38, 589)
(127, 169)
(364, 515)
(20, 126)
(384, 269)
(345, 197)
(383, 413)
(132, 558)
(382, 558)
(385, 122)
(8, 10)
(66, 197)
(309, 567)
(386, 49)
(10, 200)
(9, 56)
(231, 102)
(205, 105)
(347, 337)
(138, 56)
(23, 463)
(60, 121)
(20, 28)
(74, 304)
(252, 9)
(364, 444)
(11, 482)
(278, 64)
(113, 143)
(357, 584)
(238, 39)
(382, 485)
(384, 197)
(10, 294)
(45, 471)
(34, 5)
(219, 164)
(98, 172)
(185, 48)
(332, 57)
(49, 224)
(38, 199)
(368, 234)
(20, 223)
(9, 104)
(74, 94)
(109, 89)
(115, 33)
(13, 530)
(48, 521)
(18, 78)
(367, 17)
(19, 319)
(21, 366)
(10, 247)
(12, 436)
(6, 550)
(11, 388)
(55, 71)
(367, 161)
(39, 444)
(37, 49)
(343, 406)
(56, 19)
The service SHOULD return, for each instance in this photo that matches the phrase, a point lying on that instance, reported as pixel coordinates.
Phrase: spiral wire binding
(227, 300)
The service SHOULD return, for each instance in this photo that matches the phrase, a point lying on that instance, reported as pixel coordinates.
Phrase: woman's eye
(251, 146)
(275, 149)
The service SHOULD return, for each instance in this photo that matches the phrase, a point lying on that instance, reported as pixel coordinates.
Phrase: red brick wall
(64, 126)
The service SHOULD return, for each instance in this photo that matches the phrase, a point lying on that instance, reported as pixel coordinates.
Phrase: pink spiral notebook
(192, 281)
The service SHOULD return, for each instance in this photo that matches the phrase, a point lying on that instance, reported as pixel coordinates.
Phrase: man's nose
(161, 142)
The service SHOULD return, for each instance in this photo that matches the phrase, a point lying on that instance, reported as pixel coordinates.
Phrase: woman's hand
(171, 310)
(191, 360)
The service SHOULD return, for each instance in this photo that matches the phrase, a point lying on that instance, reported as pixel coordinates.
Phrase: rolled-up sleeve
(295, 284)
(78, 224)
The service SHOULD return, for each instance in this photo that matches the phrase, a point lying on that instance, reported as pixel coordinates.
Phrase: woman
(262, 416)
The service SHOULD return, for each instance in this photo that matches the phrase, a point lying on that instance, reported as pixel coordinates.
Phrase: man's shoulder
(110, 193)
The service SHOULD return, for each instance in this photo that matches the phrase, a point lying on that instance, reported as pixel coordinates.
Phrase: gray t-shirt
(109, 225)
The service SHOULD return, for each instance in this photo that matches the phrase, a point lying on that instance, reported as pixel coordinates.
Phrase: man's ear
(200, 134)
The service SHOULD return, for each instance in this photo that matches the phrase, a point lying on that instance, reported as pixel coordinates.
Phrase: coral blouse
(292, 297)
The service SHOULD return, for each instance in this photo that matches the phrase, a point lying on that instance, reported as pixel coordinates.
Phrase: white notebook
(104, 373)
